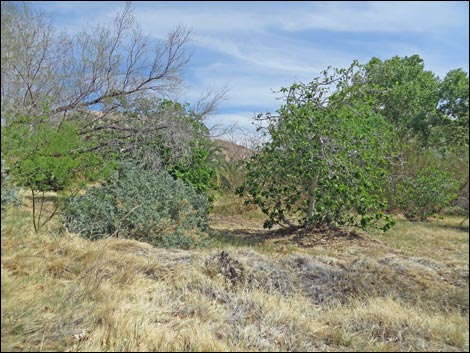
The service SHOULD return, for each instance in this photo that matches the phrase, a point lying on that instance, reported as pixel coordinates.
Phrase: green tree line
(346, 149)
(355, 144)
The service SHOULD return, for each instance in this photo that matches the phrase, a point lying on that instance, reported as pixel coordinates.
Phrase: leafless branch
(94, 68)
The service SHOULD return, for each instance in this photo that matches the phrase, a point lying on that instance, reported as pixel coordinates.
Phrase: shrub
(10, 195)
(426, 193)
(143, 205)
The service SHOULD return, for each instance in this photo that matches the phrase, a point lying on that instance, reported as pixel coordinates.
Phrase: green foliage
(230, 174)
(168, 136)
(46, 158)
(405, 94)
(411, 162)
(426, 193)
(450, 130)
(196, 166)
(43, 157)
(197, 171)
(454, 94)
(326, 158)
(430, 119)
(142, 205)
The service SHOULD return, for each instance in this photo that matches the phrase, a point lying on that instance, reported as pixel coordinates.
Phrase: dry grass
(385, 324)
(405, 290)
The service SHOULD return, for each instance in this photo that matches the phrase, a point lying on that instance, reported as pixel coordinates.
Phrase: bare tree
(93, 69)
(209, 101)
(112, 80)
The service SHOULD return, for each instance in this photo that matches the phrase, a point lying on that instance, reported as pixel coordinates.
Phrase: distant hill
(232, 151)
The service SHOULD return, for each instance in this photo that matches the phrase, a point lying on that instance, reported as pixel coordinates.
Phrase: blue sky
(255, 48)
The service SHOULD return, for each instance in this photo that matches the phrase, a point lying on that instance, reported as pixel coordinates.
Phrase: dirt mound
(250, 270)
(329, 281)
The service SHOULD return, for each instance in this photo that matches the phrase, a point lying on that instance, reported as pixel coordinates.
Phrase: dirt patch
(308, 238)
(302, 237)
(322, 281)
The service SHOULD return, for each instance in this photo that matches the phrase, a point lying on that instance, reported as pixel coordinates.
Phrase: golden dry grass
(405, 290)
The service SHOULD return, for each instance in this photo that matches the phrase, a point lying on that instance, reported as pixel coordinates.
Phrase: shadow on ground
(294, 236)
(458, 227)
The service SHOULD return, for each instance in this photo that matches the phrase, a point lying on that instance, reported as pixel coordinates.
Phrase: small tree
(326, 160)
(45, 159)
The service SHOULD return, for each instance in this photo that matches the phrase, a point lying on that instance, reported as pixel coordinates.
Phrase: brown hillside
(232, 151)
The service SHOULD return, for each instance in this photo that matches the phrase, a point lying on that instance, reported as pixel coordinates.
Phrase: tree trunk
(313, 189)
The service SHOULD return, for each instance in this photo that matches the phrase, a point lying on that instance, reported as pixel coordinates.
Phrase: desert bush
(426, 193)
(142, 205)
(10, 195)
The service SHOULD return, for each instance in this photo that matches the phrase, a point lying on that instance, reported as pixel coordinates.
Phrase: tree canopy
(353, 140)
(107, 94)
(325, 159)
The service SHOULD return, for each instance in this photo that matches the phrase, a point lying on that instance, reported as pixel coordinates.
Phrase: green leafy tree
(429, 117)
(325, 161)
(450, 131)
(405, 94)
(44, 159)
(450, 127)
(175, 139)
(454, 94)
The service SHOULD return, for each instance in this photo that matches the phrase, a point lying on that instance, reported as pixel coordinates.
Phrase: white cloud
(248, 86)
(256, 47)
(198, 16)
(241, 120)
(271, 53)
(245, 18)
(373, 16)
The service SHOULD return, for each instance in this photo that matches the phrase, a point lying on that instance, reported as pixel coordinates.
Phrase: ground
(250, 289)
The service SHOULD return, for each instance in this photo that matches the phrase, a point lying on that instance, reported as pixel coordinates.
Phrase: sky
(255, 48)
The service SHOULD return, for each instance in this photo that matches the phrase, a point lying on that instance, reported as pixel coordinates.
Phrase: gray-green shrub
(142, 205)
(10, 193)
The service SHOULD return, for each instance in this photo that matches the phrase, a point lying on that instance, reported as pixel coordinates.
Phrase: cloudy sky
(255, 48)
